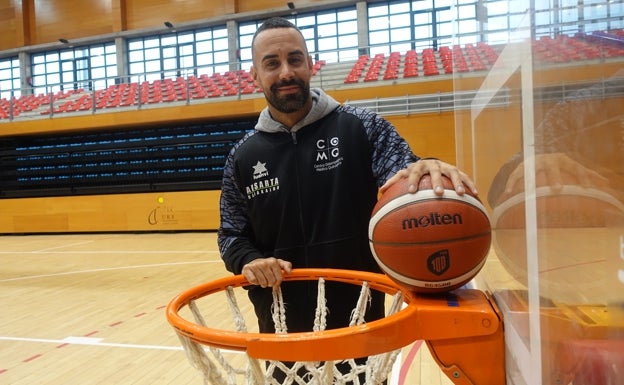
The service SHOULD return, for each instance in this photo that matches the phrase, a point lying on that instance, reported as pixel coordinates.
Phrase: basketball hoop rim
(386, 334)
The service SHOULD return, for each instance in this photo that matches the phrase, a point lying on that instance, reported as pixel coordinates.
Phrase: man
(299, 190)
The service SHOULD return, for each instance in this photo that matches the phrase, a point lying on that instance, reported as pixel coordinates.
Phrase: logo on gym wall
(162, 215)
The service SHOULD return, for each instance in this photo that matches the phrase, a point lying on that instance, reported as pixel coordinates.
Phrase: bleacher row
(230, 83)
(565, 49)
(446, 61)
(411, 64)
(131, 94)
(116, 161)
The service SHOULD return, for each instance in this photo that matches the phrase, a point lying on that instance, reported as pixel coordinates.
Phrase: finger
(436, 183)
(435, 172)
(285, 265)
(274, 275)
(250, 276)
(514, 177)
(416, 172)
(584, 176)
(258, 273)
(553, 177)
(467, 182)
(595, 179)
(261, 278)
(395, 178)
(463, 182)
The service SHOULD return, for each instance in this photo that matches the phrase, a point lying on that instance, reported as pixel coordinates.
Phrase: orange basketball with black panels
(429, 243)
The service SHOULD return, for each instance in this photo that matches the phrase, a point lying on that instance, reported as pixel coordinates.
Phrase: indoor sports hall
(116, 118)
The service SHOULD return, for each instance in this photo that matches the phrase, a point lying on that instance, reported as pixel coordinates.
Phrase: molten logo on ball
(433, 219)
(439, 262)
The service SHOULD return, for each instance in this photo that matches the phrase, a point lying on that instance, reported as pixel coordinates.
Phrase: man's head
(282, 67)
(274, 23)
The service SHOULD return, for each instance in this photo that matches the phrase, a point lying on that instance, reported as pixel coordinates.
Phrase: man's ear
(254, 75)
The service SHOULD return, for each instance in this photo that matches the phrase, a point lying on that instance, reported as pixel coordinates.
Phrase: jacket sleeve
(390, 151)
(235, 236)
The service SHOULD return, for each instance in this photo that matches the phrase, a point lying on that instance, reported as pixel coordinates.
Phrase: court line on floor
(89, 342)
(63, 246)
(409, 360)
(106, 269)
(112, 252)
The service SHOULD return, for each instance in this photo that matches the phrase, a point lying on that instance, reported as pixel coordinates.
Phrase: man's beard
(291, 102)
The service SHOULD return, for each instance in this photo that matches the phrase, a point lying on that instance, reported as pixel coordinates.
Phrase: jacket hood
(322, 104)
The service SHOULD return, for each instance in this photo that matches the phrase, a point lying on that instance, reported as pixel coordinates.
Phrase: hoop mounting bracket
(477, 359)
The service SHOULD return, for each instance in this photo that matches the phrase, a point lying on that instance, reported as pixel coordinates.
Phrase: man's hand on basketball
(266, 272)
(558, 169)
(436, 168)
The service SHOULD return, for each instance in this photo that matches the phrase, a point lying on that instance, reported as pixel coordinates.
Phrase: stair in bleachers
(372, 73)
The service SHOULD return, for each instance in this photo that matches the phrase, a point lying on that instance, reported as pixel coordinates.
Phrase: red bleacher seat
(215, 93)
(410, 68)
(230, 91)
(317, 66)
(490, 55)
(430, 65)
(392, 67)
(430, 70)
(375, 67)
(250, 89)
(357, 69)
(446, 57)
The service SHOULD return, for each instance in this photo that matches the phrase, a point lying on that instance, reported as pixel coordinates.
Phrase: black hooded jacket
(305, 195)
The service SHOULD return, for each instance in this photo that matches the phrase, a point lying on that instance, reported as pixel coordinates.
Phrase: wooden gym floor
(90, 309)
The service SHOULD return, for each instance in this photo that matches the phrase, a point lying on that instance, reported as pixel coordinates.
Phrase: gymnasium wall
(34, 22)
(430, 134)
(193, 210)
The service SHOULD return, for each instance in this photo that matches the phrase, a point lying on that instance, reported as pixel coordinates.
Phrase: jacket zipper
(301, 203)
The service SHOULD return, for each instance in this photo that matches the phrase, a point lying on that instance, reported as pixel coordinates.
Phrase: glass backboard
(544, 140)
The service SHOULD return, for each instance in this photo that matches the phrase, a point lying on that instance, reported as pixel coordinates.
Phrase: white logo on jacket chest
(260, 170)
(327, 154)
(263, 183)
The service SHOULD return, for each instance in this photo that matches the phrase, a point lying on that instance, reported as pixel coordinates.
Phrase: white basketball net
(218, 371)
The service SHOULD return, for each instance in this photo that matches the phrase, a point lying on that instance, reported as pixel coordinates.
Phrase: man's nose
(286, 71)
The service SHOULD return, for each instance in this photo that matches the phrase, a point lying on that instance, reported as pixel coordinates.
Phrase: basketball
(429, 243)
(577, 233)
(571, 206)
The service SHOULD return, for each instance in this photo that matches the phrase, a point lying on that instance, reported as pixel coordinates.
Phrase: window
(203, 51)
(420, 24)
(88, 67)
(573, 16)
(9, 78)
(330, 35)
(401, 26)
(596, 15)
